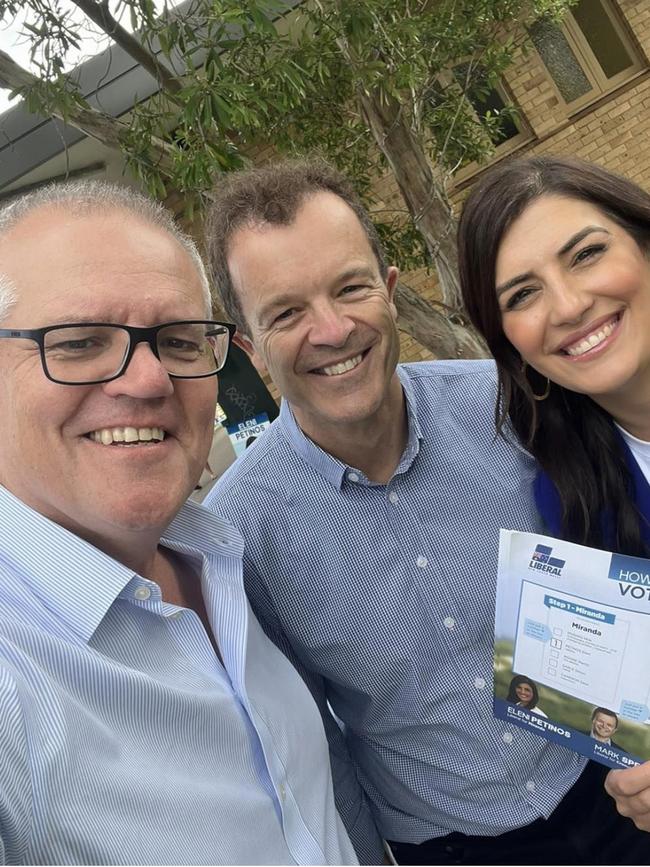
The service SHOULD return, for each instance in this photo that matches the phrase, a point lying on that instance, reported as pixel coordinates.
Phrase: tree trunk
(431, 213)
(427, 203)
(433, 329)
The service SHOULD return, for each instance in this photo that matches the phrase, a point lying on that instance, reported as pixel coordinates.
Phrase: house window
(489, 102)
(589, 54)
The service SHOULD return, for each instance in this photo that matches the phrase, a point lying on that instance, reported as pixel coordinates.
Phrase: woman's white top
(640, 449)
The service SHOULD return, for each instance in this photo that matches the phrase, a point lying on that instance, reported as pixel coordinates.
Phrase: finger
(628, 782)
(637, 806)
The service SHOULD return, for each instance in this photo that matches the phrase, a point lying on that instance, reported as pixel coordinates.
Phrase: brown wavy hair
(272, 195)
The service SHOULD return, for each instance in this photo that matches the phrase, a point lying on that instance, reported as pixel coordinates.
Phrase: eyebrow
(74, 320)
(266, 310)
(355, 271)
(514, 281)
(579, 236)
(570, 244)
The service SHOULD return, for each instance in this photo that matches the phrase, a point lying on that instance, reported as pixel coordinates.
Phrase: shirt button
(422, 562)
(142, 593)
(479, 682)
(530, 786)
(353, 477)
(393, 497)
(507, 738)
(449, 622)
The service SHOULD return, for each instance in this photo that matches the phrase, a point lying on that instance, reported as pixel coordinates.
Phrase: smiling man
(144, 716)
(371, 509)
(604, 723)
(326, 286)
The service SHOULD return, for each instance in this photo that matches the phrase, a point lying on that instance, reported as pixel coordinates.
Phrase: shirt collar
(197, 531)
(77, 582)
(334, 470)
(331, 468)
(414, 430)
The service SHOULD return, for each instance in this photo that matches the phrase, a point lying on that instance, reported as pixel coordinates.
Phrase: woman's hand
(630, 788)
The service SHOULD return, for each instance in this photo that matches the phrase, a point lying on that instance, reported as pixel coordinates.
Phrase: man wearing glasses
(144, 716)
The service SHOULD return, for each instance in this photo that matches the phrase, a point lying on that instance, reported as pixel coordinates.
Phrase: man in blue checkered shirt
(371, 509)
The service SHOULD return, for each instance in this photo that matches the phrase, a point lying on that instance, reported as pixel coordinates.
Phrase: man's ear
(245, 343)
(391, 285)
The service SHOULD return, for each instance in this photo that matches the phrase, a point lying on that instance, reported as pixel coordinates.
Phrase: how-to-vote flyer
(572, 634)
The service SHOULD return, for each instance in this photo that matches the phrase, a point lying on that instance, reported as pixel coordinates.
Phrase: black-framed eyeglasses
(88, 353)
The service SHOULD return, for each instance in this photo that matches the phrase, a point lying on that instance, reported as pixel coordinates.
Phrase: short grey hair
(8, 295)
(89, 196)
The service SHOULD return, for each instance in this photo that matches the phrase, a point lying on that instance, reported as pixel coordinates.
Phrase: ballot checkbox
(552, 672)
(554, 654)
(552, 663)
(557, 630)
(555, 642)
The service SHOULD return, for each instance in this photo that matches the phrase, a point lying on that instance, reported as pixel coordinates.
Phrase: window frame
(525, 135)
(524, 132)
(585, 57)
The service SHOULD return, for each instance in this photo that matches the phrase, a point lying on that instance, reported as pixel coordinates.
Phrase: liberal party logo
(543, 562)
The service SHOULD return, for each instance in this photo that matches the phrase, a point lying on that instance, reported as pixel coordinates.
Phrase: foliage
(293, 76)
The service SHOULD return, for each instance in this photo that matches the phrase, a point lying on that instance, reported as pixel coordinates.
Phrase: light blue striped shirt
(123, 739)
(385, 593)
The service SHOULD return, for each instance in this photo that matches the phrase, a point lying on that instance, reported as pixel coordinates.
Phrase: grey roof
(112, 82)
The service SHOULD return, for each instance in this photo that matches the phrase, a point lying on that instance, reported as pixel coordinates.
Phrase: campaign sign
(245, 433)
(572, 630)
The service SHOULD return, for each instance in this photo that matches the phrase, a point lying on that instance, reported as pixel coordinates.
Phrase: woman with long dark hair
(580, 411)
(555, 273)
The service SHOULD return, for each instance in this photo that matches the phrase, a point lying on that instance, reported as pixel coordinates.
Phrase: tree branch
(101, 15)
(106, 129)
(433, 329)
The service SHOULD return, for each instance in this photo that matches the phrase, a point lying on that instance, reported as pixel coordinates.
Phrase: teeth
(108, 436)
(342, 366)
(591, 341)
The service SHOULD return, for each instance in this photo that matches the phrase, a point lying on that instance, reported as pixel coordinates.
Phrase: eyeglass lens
(88, 353)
